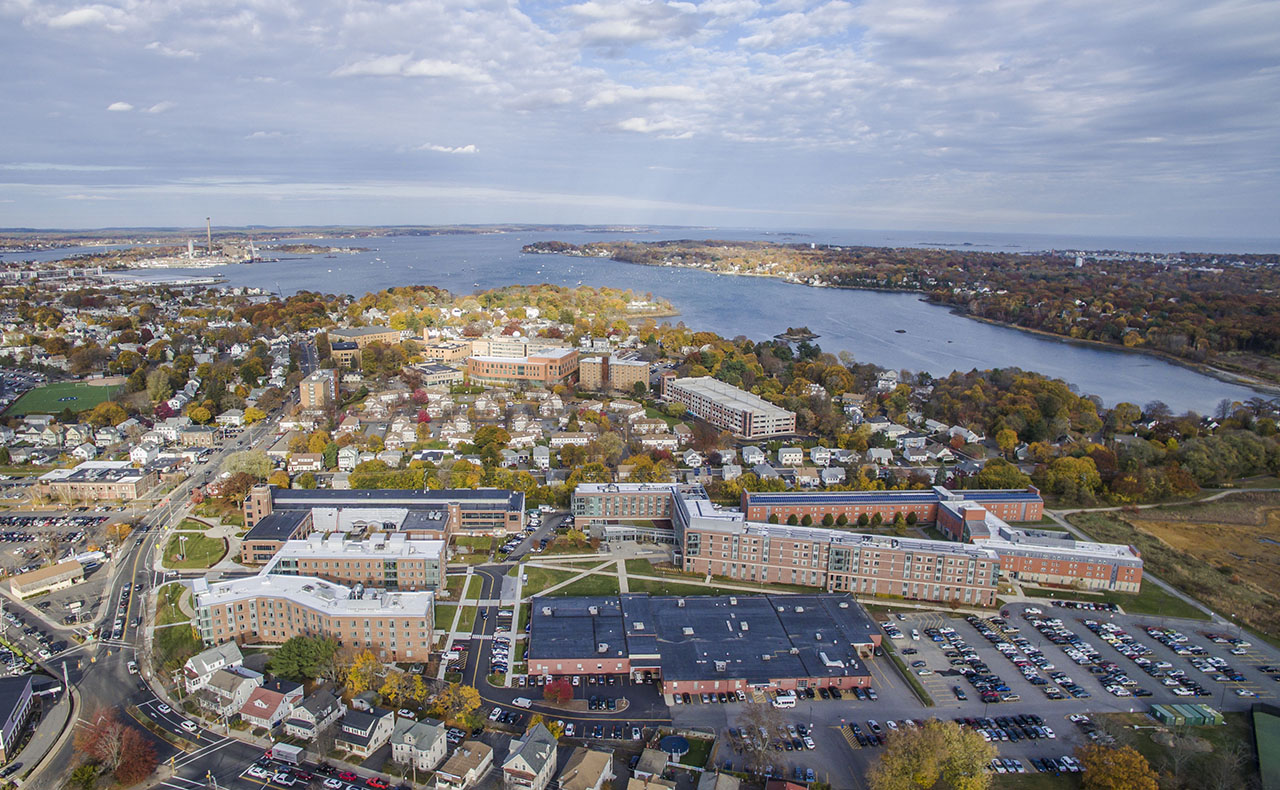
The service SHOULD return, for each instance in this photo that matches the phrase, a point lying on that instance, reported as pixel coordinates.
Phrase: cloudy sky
(1068, 116)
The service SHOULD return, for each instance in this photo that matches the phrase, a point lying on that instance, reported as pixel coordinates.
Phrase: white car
(568, 730)
(283, 778)
(163, 708)
(333, 783)
(188, 726)
(494, 714)
(256, 772)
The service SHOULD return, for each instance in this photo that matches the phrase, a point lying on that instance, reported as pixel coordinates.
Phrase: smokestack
(208, 229)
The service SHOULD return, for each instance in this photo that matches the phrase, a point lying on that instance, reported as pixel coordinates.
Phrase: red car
(377, 783)
(347, 776)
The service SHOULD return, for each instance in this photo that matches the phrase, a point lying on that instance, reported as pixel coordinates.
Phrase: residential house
(106, 436)
(228, 690)
(531, 762)
(587, 769)
(306, 462)
(752, 455)
(832, 475)
(314, 714)
(912, 440)
(659, 441)
(231, 418)
(764, 472)
(200, 667)
(421, 744)
(652, 763)
(271, 703)
(807, 477)
(364, 732)
(915, 455)
(565, 438)
(466, 767)
(692, 458)
(790, 456)
(731, 472)
(541, 458)
(933, 426)
(820, 456)
(967, 435)
(880, 455)
(85, 452)
(718, 781)
(683, 433)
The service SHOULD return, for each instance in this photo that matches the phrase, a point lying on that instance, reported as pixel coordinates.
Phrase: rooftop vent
(602, 647)
(782, 608)
(795, 651)
(844, 604)
(733, 601)
(687, 630)
(593, 609)
(744, 626)
(721, 666)
(639, 626)
(766, 657)
(546, 611)
(680, 603)
(799, 610)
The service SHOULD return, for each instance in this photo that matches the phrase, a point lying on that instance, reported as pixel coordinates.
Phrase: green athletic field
(48, 399)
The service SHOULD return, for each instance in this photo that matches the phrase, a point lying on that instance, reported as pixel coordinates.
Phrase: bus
(785, 699)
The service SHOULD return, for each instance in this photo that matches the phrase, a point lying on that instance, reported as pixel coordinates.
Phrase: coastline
(1221, 374)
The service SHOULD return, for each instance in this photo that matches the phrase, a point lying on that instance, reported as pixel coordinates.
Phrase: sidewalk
(47, 733)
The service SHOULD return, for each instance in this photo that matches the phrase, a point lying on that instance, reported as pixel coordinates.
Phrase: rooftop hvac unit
(546, 611)
(782, 608)
(639, 626)
(687, 630)
(817, 637)
(721, 666)
(733, 601)
(766, 657)
(844, 604)
(680, 603)
(744, 626)
(799, 610)
(593, 610)
(603, 647)
(795, 651)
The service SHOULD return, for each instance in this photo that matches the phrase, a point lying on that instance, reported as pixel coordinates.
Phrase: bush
(842, 520)
(792, 520)
(912, 518)
(828, 520)
(807, 520)
(863, 520)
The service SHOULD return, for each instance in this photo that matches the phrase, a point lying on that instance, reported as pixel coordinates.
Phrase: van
(785, 699)
(522, 702)
(915, 634)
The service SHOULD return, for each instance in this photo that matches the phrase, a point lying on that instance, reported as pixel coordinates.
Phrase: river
(894, 330)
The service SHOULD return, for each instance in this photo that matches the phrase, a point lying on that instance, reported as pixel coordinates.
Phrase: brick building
(319, 391)
(619, 374)
(387, 561)
(546, 367)
(728, 407)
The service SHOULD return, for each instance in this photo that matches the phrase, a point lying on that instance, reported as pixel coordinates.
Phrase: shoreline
(1203, 368)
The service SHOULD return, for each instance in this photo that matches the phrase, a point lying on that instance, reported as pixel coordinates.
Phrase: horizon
(1152, 119)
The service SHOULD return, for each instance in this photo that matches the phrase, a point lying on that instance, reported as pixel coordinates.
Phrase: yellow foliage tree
(395, 688)
(1123, 768)
(363, 673)
(917, 759)
(419, 690)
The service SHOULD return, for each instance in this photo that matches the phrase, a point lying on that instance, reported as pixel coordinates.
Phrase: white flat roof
(380, 546)
(317, 594)
(729, 395)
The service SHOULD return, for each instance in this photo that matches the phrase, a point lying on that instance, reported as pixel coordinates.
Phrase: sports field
(53, 398)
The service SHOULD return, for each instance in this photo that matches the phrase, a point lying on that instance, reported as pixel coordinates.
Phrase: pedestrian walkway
(47, 731)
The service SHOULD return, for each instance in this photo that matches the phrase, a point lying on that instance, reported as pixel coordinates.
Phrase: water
(864, 323)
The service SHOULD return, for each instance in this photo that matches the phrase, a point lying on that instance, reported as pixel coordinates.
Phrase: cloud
(404, 66)
(444, 149)
(656, 93)
(79, 17)
(665, 127)
(120, 106)
(261, 135)
(827, 20)
(170, 52)
(611, 23)
(159, 107)
(59, 166)
(82, 196)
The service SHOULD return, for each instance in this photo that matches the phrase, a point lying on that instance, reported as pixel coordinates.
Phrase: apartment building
(319, 391)
(363, 336)
(447, 351)
(420, 514)
(620, 501)
(1010, 505)
(345, 354)
(395, 626)
(97, 480)
(725, 406)
(546, 367)
(390, 562)
(612, 372)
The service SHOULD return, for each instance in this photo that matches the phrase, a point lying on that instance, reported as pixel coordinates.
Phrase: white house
(85, 452)
(541, 458)
(200, 667)
(820, 456)
(692, 459)
(421, 744)
(790, 456)
(752, 455)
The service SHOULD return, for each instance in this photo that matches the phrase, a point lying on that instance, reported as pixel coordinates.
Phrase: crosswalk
(846, 732)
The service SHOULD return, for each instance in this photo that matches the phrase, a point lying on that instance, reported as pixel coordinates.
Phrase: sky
(1060, 116)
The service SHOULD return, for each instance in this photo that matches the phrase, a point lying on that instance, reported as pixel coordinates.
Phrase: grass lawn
(649, 411)
(26, 470)
(912, 679)
(443, 614)
(176, 643)
(468, 619)
(522, 618)
(473, 543)
(1237, 729)
(191, 525)
(657, 587)
(591, 585)
(473, 589)
(453, 584)
(699, 751)
(1152, 600)
(563, 545)
(542, 578)
(53, 398)
(201, 552)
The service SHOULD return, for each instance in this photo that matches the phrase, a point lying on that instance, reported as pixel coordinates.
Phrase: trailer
(286, 753)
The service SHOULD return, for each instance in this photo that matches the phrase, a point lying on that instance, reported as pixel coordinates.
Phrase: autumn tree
(558, 692)
(554, 727)
(138, 759)
(456, 703)
(254, 414)
(106, 413)
(1007, 440)
(419, 691)
(1115, 768)
(395, 688)
(279, 478)
(938, 751)
(363, 673)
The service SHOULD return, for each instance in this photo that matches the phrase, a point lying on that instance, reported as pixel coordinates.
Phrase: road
(98, 670)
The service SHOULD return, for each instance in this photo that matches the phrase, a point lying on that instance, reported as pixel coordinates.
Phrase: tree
(306, 480)
(419, 690)
(999, 473)
(103, 739)
(554, 727)
(558, 692)
(456, 703)
(138, 759)
(302, 658)
(1111, 768)
(252, 462)
(254, 414)
(639, 390)
(395, 688)
(279, 479)
(938, 751)
(363, 673)
(1006, 440)
(106, 413)
(199, 415)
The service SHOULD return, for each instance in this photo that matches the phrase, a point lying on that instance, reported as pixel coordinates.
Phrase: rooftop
(95, 472)
(317, 594)
(729, 395)
(379, 546)
(301, 497)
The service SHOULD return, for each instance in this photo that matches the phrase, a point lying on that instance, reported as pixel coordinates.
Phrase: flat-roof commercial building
(1008, 504)
(97, 480)
(364, 335)
(319, 391)
(728, 407)
(612, 372)
(546, 367)
(621, 501)
(391, 562)
(270, 533)
(47, 579)
(434, 374)
(701, 644)
(422, 514)
(395, 626)
(345, 353)
(445, 351)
